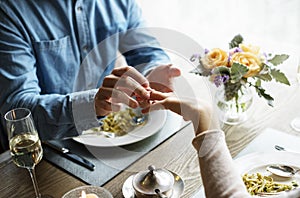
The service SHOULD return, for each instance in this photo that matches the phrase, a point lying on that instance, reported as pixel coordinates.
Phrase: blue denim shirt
(54, 55)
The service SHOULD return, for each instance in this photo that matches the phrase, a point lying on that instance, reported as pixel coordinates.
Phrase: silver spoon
(282, 170)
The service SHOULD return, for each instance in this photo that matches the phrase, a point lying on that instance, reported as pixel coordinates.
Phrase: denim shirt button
(85, 48)
(79, 8)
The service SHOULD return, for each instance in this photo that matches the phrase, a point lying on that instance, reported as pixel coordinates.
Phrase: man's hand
(161, 77)
(119, 87)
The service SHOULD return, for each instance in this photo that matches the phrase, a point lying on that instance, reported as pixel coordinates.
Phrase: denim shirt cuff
(83, 110)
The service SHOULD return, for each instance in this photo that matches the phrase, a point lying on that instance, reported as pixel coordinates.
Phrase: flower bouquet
(239, 68)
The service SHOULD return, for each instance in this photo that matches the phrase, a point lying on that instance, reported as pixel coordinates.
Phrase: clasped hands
(126, 85)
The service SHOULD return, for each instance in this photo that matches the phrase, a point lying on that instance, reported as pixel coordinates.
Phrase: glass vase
(235, 110)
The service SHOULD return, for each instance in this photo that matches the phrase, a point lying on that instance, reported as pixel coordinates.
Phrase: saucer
(128, 191)
(99, 191)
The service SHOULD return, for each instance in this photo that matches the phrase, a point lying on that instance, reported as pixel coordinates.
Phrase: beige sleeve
(220, 178)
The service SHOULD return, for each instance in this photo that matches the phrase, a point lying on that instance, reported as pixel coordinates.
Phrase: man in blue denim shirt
(55, 56)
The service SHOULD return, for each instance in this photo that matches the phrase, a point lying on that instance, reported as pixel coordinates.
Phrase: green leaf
(257, 83)
(265, 77)
(237, 71)
(221, 70)
(278, 59)
(236, 41)
(265, 68)
(231, 90)
(196, 71)
(261, 93)
(264, 74)
(201, 70)
(279, 76)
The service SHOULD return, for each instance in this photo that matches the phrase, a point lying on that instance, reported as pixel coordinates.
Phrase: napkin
(266, 141)
(110, 161)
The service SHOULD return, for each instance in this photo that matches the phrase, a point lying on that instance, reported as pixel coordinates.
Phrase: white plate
(257, 162)
(155, 122)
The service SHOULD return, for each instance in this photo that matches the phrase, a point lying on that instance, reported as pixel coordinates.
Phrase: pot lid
(146, 182)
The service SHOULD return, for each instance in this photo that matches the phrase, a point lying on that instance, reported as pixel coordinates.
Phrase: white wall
(213, 23)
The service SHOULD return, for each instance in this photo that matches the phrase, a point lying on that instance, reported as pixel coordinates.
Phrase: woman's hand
(119, 87)
(199, 112)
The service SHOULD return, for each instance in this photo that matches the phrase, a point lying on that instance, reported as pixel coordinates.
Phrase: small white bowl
(99, 191)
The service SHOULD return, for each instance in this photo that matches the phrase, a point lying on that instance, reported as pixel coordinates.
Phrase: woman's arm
(219, 175)
(218, 172)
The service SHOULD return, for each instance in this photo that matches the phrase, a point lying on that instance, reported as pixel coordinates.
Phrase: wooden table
(175, 154)
(209, 28)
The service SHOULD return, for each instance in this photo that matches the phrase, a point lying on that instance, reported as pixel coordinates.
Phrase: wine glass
(295, 124)
(24, 143)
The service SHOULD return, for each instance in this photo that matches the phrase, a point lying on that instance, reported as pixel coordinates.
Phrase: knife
(68, 154)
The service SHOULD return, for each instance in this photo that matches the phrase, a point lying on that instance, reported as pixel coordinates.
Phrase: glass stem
(34, 181)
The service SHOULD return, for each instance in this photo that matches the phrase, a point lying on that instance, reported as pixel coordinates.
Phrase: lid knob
(152, 181)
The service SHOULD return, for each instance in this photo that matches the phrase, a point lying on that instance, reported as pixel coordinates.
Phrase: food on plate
(257, 183)
(120, 122)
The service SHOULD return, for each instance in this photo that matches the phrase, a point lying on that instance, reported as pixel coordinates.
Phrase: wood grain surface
(274, 25)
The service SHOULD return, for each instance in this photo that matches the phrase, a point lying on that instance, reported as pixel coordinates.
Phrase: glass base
(234, 111)
(233, 120)
(295, 124)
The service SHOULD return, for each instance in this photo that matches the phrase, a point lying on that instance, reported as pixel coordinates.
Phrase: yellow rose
(250, 48)
(248, 59)
(216, 57)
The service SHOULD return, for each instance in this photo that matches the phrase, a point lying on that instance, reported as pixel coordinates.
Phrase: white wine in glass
(25, 145)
